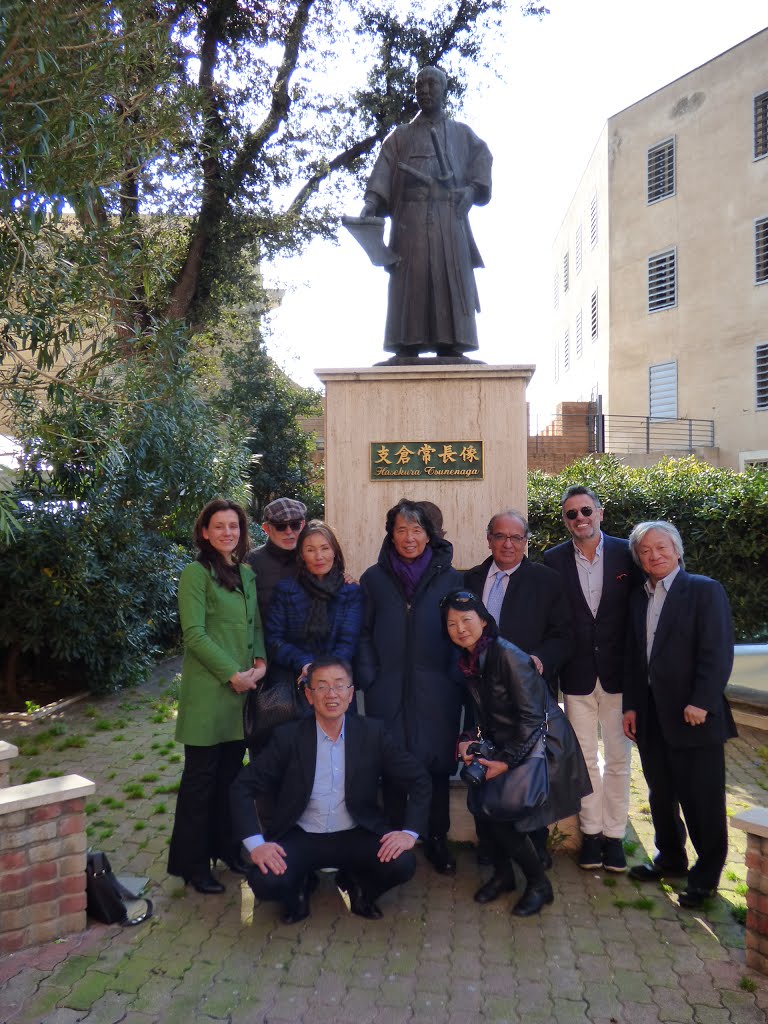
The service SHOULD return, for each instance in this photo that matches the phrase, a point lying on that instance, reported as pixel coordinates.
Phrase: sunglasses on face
(295, 525)
(586, 511)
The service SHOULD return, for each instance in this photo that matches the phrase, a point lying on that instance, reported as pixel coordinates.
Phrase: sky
(561, 79)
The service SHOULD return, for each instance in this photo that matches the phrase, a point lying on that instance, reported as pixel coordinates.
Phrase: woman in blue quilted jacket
(318, 613)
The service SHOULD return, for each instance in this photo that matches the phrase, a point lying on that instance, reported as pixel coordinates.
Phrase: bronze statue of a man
(427, 176)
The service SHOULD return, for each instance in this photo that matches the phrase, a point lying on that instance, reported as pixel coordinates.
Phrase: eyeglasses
(586, 511)
(515, 538)
(330, 687)
(295, 525)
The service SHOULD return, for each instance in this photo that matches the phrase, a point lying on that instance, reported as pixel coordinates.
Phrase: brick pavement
(606, 951)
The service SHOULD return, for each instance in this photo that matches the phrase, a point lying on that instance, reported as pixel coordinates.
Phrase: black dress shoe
(360, 903)
(299, 909)
(206, 884)
(534, 898)
(656, 871)
(693, 898)
(439, 855)
(494, 887)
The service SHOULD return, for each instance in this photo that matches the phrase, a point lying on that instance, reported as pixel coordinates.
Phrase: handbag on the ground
(517, 792)
(277, 699)
(105, 896)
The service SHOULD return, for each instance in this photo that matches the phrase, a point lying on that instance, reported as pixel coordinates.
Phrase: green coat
(222, 635)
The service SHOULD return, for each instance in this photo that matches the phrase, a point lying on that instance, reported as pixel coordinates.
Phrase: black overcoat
(512, 701)
(406, 665)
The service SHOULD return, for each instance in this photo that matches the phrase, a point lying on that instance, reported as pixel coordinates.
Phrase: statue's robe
(432, 291)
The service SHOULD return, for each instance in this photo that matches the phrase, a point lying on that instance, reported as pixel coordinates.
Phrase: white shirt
(490, 579)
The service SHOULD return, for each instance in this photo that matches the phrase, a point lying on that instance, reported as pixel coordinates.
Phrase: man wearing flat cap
(276, 560)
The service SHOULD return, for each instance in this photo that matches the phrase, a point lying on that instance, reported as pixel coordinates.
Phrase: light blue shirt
(656, 597)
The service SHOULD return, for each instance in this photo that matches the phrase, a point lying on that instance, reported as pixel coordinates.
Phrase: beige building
(661, 267)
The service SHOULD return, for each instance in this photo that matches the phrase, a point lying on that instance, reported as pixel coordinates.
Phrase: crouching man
(322, 775)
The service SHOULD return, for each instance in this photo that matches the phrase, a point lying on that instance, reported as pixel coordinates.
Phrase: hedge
(721, 514)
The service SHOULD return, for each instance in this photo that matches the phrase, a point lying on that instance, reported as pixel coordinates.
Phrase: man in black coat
(598, 575)
(680, 656)
(276, 560)
(322, 775)
(528, 602)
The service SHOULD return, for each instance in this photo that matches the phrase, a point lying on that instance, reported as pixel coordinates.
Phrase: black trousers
(395, 798)
(202, 829)
(691, 779)
(510, 845)
(353, 850)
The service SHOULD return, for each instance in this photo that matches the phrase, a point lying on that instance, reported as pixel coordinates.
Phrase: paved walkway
(604, 953)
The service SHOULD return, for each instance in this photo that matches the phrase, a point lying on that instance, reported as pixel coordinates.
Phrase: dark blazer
(598, 649)
(690, 662)
(534, 614)
(286, 622)
(285, 771)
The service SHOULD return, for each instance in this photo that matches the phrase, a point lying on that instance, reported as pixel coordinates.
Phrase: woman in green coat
(223, 659)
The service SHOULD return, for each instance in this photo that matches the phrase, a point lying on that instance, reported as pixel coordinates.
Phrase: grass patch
(740, 888)
(134, 791)
(173, 787)
(91, 808)
(160, 808)
(150, 777)
(105, 834)
(174, 758)
(641, 903)
(56, 774)
(156, 746)
(739, 912)
(33, 776)
(71, 741)
(112, 775)
(113, 802)
(762, 752)
(137, 756)
(747, 984)
(103, 725)
(630, 846)
(119, 738)
(731, 875)
(609, 883)
(139, 826)
(90, 711)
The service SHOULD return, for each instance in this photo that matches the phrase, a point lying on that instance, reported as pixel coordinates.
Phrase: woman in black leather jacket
(512, 703)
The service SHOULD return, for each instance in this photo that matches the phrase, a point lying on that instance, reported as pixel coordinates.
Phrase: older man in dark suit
(680, 656)
(323, 777)
(598, 574)
(528, 602)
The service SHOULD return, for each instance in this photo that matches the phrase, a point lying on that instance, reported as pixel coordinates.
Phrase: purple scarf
(469, 661)
(410, 573)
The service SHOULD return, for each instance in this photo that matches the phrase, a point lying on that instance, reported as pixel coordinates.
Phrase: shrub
(722, 516)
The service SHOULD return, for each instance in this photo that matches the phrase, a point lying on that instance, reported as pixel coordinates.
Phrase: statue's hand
(463, 199)
(368, 210)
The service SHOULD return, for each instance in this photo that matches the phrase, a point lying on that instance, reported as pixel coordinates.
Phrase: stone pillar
(755, 823)
(412, 403)
(42, 861)
(7, 754)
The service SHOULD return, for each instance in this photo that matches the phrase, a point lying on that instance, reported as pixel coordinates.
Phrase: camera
(474, 774)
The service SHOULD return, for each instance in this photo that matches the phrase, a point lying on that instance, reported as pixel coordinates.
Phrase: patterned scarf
(321, 590)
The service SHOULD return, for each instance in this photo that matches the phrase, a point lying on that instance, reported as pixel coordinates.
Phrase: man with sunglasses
(322, 775)
(276, 560)
(598, 573)
(528, 602)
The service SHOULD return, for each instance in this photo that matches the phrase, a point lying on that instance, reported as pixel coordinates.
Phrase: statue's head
(431, 87)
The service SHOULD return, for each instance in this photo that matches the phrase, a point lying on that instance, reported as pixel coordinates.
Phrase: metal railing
(598, 432)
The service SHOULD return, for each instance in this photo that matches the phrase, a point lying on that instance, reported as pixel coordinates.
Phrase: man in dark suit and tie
(680, 655)
(528, 602)
(598, 574)
(323, 776)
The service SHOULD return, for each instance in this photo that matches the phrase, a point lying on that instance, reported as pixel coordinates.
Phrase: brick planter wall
(755, 823)
(7, 753)
(42, 861)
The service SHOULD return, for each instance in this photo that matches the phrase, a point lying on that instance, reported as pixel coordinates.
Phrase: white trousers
(593, 715)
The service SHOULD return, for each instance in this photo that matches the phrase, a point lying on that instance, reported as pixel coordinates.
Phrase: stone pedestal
(412, 403)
